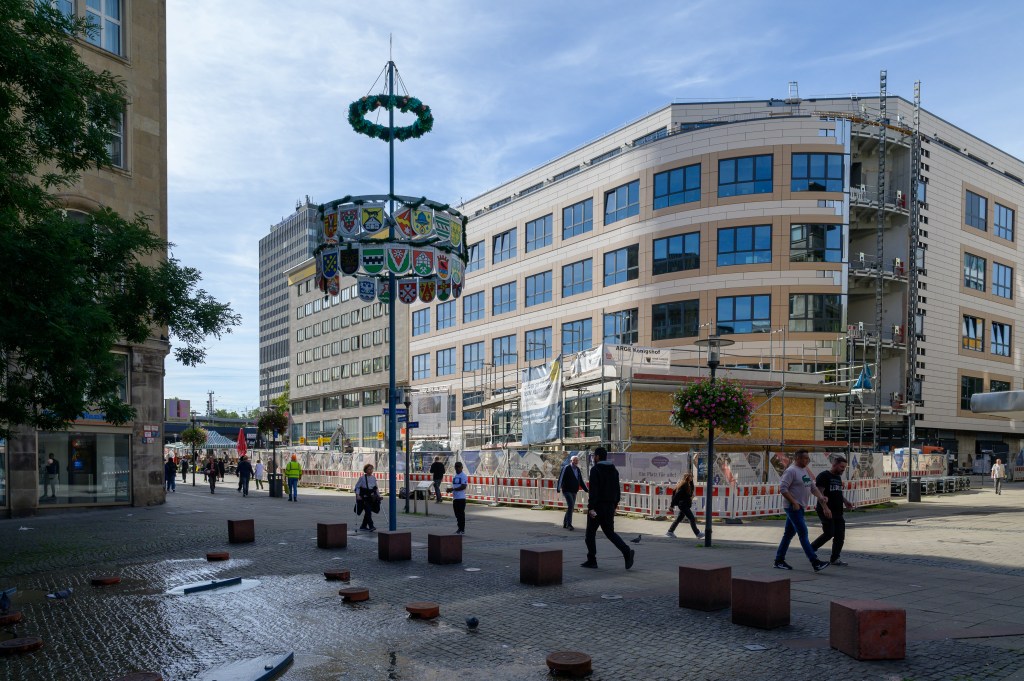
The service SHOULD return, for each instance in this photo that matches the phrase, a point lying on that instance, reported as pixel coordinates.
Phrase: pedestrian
(437, 470)
(460, 482)
(221, 468)
(367, 498)
(259, 474)
(795, 486)
(170, 475)
(570, 482)
(830, 483)
(998, 475)
(211, 473)
(184, 468)
(682, 498)
(244, 473)
(293, 471)
(52, 477)
(604, 497)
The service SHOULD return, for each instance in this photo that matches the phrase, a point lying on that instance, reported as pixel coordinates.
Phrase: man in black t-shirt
(830, 483)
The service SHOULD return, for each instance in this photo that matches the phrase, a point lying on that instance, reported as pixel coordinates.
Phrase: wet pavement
(954, 566)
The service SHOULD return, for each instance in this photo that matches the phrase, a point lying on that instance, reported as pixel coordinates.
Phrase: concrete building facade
(99, 463)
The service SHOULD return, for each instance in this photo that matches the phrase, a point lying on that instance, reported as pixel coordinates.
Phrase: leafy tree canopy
(283, 401)
(72, 288)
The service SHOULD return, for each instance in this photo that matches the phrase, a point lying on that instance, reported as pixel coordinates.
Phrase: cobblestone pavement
(952, 562)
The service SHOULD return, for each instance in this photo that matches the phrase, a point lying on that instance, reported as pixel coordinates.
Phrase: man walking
(795, 486)
(244, 473)
(998, 475)
(460, 482)
(293, 472)
(52, 477)
(170, 474)
(830, 483)
(437, 470)
(604, 497)
(185, 460)
(570, 481)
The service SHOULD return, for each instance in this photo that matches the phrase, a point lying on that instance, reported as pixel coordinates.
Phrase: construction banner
(541, 402)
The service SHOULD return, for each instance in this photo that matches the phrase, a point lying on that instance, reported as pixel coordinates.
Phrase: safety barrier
(750, 501)
(517, 491)
(868, 492)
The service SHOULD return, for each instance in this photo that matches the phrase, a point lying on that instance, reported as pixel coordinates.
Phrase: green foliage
(71, 288)
(358, 109)
(225, 414)
(271, 421)
(194, 437)
(282, 401)
(723, 404)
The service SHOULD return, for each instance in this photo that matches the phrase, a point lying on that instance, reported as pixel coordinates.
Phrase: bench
(868, 630)
(394, 546)
(705, 587)
(444, 549)
(241, 531)
(761, 602)
(331, 535)
(540, 567)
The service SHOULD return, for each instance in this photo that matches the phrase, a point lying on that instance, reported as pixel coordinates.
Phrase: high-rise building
(830, 238)
(289, 243)
(100, 463)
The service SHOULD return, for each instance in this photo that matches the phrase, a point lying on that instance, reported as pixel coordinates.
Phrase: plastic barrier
(518, 491)
(756, 500)
(720, 498)
(635, 498)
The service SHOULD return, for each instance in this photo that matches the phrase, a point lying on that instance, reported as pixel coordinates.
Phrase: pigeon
(637, 540)
(909, 519)
(472, 623)
(63, 593)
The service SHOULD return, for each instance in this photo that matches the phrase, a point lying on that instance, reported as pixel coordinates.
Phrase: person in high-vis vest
(293, 471)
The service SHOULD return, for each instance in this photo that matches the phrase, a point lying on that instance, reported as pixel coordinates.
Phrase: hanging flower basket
(194, 437)
(724, 405)
(273, 420)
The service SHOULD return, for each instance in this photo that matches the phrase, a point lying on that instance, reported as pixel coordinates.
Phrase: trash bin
(275, 484)
(914, 493)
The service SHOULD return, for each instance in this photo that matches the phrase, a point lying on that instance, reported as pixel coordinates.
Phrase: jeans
(833, 528)
(459, 506)
(437, 489)
(685, 512)
(998, 485)
(606, 521)
(795, 524)
(293, 489)
(184, 475)
(570, 506)
(367, 514)
(170, 482)
(245, 486)
(51, 484)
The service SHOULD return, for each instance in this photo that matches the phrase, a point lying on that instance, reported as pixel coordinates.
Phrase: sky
(258, 100)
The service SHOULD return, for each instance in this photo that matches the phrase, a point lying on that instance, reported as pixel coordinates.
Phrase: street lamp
(714, 344)
(407, 401)
(194, 450)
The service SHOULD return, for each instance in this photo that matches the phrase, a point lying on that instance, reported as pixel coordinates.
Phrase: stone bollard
(393, 546)
(761, 602)
(331, 535)
(241, 531)
(540, 567)
(868, 630)
(444, 549)
(705, 587)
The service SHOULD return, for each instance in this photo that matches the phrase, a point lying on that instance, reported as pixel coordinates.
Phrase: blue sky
(257, 102)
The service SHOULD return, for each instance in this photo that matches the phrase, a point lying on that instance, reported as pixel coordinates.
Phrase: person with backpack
(293, 472)
(682, 499)
(367, 498)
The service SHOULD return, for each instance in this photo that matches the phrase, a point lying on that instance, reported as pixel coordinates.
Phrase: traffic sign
(412, 424)
(400, 411)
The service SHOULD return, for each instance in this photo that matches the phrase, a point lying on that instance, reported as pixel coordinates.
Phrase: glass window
(817, 173)
(815, 312)
(577, 277)
(972, 334)
(538, 233)
(816, 243)
(504, 247)
(1002, 224)
(473, 307)
(503, 298)
(446, 362)
(477, 256)
(115, 147)
(622, 202)
(677, 253)
(974, 272)
(473, 356)
(445, 315)
(1002, 335)
(372, 425)
(744, 314)
(538, 344)
(349, 400)
(745, 175)
(503, 350)
(421, 366)
(968, 386)
(744, 245)
(996, 386)
(621, 265)
(578, 219)
(538, 289)
(976, 211)
(680, 185)
(1002, 280)
(679, 319)
(471, 402)
(92, 468)
(104, 19)
(576, 336)
(621, 327)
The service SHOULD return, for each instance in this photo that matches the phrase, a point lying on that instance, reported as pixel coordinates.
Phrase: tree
(70, 288)
(283, 401)
(225, 414)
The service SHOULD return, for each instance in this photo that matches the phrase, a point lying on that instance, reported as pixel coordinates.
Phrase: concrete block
(705, 587)
(761, 602)
(868, 630)
(540, 567)
(241, 531)
(331, 535)
(444, 549)
(393, 546)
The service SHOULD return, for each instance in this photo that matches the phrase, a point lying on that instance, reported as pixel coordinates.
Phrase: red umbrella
(243, 449)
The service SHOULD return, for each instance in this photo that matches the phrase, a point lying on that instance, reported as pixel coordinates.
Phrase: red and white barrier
(751, 501)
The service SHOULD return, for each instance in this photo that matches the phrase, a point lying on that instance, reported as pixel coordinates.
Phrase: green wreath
(358, 109)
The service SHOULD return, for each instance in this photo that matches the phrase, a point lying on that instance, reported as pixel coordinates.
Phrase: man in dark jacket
(244, 474)
(570, 481)
(170, 474)
(604, 497)
(437, 470)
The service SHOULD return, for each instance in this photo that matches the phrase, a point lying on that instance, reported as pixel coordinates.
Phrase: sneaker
(629, 559)
(670, 533)
(782, 565)
(842, 563)
(589, 564)
(700, 535)
(820, 565)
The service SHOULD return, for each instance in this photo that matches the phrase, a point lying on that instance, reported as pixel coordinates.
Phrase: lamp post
(193, 451)
(714, 344)
(407, 401)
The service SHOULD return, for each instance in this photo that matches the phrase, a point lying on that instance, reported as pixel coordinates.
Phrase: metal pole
(193, 452)
(709, 478)
(392, 293)
(408, 417)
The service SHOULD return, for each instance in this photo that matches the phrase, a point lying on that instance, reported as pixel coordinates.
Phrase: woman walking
(259, 474)
(211, 473)
(367, 497)
(682, 499)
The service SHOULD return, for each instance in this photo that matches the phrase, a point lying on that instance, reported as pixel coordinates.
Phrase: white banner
(637, 357)
(541, 402)
(430, 410)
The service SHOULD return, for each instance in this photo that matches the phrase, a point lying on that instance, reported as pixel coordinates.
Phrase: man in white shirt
(460, 482)
(796, 485)
(998, 475)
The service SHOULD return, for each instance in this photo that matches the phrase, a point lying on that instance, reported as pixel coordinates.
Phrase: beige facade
(101, 463)
(808, 274)
(339, 363)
